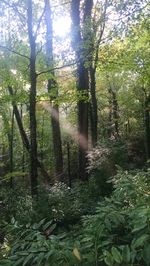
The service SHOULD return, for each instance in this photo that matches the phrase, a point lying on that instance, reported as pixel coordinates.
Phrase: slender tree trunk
(23, 150)
(147, 126)
(114, 109)
(69, 164)
(42, 138)
(115, 113)
(110, 119)
(96, 34)
(32, 111)
(24, 135)
(93, 112)
(52, 85)
(11, 149)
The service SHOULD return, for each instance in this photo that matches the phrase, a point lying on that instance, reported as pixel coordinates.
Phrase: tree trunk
(147, 126)
(83, 121)
(69, 165)
(96, 34)
(42, 139)
(93, 109)
(115, 113)
(11, 148)
(53, 86)
(24, 135)
(110, 118)
(32, 111)
(79, 45)
(113, 103)
(23, 150)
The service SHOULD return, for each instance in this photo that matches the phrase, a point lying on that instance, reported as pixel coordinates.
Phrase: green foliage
(36, 245)
(117, 233)
(16, 203)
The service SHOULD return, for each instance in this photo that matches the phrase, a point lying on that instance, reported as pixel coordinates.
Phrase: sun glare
(62, 26)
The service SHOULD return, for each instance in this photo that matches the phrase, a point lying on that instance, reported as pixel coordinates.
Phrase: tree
(97, 29)
(52, 88)
(33, 77)
(78, 42)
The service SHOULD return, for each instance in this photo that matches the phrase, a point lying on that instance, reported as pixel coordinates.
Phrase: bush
(100, 168)
(117, 233)
(37, 245)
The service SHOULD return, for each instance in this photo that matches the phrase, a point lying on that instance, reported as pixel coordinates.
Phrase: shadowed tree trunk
(93, 109)
(23, 150)
(96, 30)
(42, 138)
(79, 34)
(114, 109)
(32, 111)
(115, 114)
(53, 89)
(11, 148)
(110, 118)
(147, 125)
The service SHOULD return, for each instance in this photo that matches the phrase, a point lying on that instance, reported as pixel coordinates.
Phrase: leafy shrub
(119, 232)
(17, 203)
(100, 168)
(69, 204)
(37, 245)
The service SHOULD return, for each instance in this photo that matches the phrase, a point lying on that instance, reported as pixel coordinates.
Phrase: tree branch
(15, 9)
(39, 22)
(14, 52)
(56, 68)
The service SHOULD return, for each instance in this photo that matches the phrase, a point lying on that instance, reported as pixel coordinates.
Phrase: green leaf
(140, 241)
(116, 255)
(40, 258)
(146, 255)
(126, 254)
(5, 262)
(19, 262)
(49, 254)
(108, 258)
(28, 258)
(139, 228)
(38, 225)
(47, 225)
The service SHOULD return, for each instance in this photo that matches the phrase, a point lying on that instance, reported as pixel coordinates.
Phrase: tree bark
(79, 45)
(53, 86)
(32, 111)
(83, 122)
